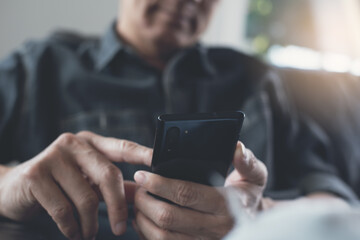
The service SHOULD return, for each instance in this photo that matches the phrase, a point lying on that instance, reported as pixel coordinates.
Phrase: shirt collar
(110, 45)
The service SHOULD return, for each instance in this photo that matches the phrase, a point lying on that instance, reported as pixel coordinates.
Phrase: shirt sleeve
(11, 84)
(303, 153)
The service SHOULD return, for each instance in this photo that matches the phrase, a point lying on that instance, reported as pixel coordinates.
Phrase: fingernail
(245, 152)
(241, 152)
(140, 177)
(120, 228)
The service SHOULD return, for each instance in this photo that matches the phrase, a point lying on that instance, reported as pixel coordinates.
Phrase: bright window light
(295, 57)
(336, 62)
(355, 69)
(307, 59)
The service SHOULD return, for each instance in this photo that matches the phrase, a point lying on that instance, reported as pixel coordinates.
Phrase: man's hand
(69, 178)
(249, 178)
(201, 211)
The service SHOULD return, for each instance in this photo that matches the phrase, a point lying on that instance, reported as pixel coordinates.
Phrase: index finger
(187, 194)
(118, 150)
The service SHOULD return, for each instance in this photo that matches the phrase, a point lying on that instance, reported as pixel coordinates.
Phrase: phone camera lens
(172, 138)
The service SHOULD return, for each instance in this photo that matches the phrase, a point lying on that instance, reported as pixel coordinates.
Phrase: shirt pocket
(133, 125)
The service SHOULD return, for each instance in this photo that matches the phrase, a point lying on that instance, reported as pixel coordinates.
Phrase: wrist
(266, 204)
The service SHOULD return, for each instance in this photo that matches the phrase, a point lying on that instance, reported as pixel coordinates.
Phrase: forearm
(328, 198)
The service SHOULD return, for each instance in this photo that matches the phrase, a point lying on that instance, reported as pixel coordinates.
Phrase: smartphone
(196, 147)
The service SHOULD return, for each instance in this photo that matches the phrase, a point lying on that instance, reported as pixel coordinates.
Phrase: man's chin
(175, 38)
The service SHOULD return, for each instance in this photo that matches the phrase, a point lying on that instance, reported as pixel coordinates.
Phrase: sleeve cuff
(322, 182)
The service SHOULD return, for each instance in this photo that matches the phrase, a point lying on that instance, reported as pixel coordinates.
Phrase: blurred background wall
(33, 19)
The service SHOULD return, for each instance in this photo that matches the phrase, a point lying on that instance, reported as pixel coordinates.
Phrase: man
(148, 63)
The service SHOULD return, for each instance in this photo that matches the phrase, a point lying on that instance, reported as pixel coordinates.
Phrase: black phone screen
(195, 147)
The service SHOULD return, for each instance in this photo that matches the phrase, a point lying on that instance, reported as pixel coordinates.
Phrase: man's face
(174, 23)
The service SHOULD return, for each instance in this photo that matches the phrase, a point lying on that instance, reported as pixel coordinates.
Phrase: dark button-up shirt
(68, 83)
